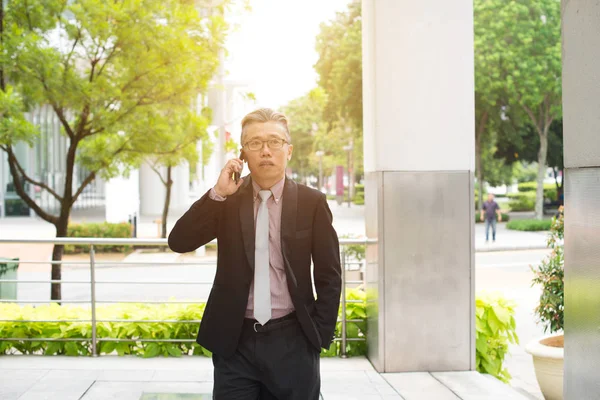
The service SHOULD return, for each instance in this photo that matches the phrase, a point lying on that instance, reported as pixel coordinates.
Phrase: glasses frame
(262, 144)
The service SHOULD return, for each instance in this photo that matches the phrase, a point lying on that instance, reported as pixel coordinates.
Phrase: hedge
(495, 329)
(99, 230)
(522, 201)
(530, 225)
(550, 191)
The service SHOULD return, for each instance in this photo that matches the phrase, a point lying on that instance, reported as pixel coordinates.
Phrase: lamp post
(348, 149)
(320, 154)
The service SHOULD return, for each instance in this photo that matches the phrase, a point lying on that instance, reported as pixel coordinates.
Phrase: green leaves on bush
(495, 328)
(522, 201)
(550, 274)
(118, 330)
(529, 225)
(137, 330)
(99, 230)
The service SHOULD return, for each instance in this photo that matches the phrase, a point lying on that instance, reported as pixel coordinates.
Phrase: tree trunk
(542, 155)
(165, 213)
(57, 253)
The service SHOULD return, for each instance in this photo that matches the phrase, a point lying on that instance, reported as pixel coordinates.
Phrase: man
(490, 209)
(262, 322)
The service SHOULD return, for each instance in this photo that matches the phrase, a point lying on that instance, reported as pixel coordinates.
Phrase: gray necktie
(262, 280)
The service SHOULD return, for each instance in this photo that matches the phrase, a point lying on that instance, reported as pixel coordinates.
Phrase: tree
(525, 39)
(100, 66)
(173, 140)
(305, 114)
(339, 45)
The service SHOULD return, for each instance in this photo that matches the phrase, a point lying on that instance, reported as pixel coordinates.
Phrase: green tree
(339, 45)
(524, 38)
(100, 66)
(306, 115)
(173, 140)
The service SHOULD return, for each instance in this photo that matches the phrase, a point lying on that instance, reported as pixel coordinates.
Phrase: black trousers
(277, 362)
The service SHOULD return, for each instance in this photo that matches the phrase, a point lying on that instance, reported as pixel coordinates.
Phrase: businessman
(262, 322)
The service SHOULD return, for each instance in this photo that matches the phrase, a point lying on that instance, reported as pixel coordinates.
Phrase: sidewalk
(190, 378)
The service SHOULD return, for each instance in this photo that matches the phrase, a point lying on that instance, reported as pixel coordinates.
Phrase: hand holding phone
(237, 174)
(229, 181)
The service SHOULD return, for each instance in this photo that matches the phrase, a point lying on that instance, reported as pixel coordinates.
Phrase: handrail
(93, 265)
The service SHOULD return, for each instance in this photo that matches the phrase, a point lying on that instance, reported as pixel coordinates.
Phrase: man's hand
(226, 186)
(499, 217)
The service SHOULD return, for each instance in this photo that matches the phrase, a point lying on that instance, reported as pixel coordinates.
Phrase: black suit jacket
(306, 231)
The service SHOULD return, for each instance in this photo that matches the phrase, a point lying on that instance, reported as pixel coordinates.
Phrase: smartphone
(237, 175)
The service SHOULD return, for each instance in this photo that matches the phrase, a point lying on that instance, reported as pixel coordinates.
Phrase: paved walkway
(131, 378)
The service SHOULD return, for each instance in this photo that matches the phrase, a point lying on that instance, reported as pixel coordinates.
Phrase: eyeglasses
(257, 144)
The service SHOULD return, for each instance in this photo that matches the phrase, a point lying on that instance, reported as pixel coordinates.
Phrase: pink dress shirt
(281, 302)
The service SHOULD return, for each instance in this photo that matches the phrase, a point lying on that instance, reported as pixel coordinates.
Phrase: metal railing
(95, 242)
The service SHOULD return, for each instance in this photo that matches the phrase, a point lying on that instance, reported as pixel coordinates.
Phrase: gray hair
(265, 115)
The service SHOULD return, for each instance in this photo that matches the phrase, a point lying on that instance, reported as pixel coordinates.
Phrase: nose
(265, 150)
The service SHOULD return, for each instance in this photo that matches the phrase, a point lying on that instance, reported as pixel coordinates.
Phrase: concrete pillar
(581, 102)
(419, 147)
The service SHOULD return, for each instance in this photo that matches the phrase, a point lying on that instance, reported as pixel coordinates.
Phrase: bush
(529, 225)
(137, 330)
(522, 201)
(495, 328)
(550, 274)
(530, 187)
(99, 230)
(505, 217)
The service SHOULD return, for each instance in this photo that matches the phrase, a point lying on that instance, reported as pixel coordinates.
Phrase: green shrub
(550, 274)
(531, 187)
(522, 201)
(505, 217)
(137, 330)
(529, 225)
(99, 230)
(495, 328)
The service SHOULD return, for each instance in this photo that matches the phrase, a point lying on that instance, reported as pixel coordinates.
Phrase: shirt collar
(276, 189)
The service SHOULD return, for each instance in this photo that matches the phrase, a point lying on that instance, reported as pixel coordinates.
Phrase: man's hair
(265, 115)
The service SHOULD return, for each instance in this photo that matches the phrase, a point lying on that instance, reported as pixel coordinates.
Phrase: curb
(509, 248)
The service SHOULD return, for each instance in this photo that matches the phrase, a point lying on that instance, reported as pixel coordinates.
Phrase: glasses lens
(275, 143)
(254, 144)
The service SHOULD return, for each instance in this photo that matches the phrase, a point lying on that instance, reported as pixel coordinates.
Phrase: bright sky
(273, 49)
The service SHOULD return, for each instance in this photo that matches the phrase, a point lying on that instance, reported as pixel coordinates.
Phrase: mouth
(266, 164)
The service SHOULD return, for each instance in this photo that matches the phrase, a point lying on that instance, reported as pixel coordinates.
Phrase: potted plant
(548, 351)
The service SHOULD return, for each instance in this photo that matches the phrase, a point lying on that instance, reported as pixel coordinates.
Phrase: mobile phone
(237, 175)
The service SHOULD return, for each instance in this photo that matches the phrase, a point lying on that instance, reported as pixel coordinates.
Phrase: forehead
(260, 130)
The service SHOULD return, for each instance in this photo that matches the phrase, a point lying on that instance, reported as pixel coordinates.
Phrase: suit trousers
(276, 361)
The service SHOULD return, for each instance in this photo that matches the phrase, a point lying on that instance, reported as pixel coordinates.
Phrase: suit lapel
(247, 219)
(288, 224)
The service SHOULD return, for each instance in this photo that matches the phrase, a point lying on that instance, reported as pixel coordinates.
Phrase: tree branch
(84, 184)
(153, 167)
(34, 182)
(533, 119)
(21, 191)
(63, 119)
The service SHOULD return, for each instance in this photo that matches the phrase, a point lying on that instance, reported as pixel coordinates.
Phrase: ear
(290, 151)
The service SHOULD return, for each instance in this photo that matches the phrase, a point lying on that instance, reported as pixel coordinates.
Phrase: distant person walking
(489, 211)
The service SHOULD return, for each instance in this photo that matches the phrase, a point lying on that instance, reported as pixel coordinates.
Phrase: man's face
(267, 163)
(490, 197)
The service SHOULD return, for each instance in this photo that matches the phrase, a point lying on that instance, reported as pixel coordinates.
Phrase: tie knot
(265, 194)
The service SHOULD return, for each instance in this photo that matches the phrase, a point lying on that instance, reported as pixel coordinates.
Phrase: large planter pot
(548, 360)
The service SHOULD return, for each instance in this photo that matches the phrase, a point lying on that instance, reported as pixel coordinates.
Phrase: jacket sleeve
(197, 226)
(327, 272)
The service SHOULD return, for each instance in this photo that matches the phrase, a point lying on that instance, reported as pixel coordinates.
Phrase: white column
(418, 96)
(581, 123)
(122, 197)
(152, 191)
